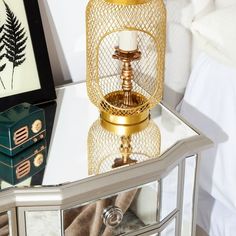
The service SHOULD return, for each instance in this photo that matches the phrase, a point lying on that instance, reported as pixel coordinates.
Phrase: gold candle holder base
(121, 123)
(124, 129)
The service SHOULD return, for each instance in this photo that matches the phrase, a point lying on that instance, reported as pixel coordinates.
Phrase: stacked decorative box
(23, 147)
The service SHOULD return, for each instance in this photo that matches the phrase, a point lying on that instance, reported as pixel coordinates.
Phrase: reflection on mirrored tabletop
(4, 224)
(21, 167)
(108, 150)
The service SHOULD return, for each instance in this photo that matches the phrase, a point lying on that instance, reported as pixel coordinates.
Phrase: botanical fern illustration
(14, 40)
(2, 54)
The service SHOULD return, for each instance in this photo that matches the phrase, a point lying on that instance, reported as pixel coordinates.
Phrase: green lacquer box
(20, 127)
(23, 165)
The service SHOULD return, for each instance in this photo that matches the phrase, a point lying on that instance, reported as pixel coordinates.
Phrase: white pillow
(224, 3)
(178, 46)
(194, 10)
(215, 33)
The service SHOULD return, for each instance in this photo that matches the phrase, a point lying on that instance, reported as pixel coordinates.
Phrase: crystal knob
(112, 216)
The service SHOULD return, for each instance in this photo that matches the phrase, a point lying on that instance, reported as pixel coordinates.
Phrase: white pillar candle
(128, 40)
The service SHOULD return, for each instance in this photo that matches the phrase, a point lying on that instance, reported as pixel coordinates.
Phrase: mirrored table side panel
(190, 188)
(37, 221)
(169, 193)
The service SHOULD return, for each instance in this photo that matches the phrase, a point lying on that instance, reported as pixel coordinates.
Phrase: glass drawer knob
(112, 216)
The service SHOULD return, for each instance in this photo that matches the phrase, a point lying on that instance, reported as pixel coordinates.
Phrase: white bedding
(214, 217)
(210, 104)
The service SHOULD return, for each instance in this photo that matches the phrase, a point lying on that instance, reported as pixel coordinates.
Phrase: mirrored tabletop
(68, 122)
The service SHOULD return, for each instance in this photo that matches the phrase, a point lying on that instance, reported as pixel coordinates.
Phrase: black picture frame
(46, 92)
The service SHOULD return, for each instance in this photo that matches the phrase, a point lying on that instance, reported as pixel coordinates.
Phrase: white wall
(64, 25)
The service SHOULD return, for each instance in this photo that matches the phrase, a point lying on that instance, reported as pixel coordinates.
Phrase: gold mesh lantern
(107, 150)
(125, 60)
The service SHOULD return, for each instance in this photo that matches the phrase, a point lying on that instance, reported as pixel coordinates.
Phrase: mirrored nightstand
(154, 196)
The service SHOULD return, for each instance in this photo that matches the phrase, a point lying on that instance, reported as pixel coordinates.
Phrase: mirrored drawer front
(119, 214)
(168, 230)
(169, 193)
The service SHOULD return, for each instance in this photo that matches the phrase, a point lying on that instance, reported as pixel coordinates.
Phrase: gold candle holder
(126, 88)
(125, 95)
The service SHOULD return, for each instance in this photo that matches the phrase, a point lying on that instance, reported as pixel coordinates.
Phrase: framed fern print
(25, 72)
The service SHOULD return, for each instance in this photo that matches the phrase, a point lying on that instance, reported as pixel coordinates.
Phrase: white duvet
(210, 105)
(214, 218)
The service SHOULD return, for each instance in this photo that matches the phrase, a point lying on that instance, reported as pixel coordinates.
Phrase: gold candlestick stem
(127, 73)
(127, 77)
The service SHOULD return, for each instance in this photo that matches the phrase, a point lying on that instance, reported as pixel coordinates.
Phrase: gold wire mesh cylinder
(105, 147)
(105, 19)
